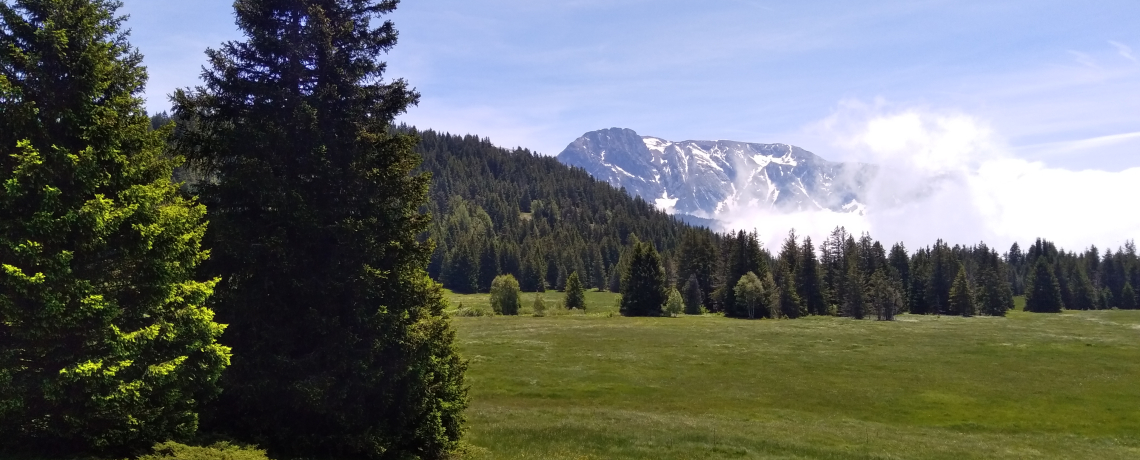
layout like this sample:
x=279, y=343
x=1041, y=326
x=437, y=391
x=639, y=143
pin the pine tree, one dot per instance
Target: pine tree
x=961, y=295
x=643, y=286
x=992, y=298
x=106, y=345
x=488, y=265
x=575, y=293
x=789, y=303
x=854, y=293
x=693, y=296
x=1128, y=297
x=809, y=282
x=698, y=257
x=744, y=255
x=314, y=208
x=1084, y=294
x=883, y=296
x=1042, y=294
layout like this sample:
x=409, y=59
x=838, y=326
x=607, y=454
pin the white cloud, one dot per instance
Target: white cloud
x=1123, y=50
x=949, y=175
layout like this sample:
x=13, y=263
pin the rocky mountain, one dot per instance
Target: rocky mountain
x=711, y=178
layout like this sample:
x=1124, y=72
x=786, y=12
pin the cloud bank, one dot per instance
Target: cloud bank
x=948, y=175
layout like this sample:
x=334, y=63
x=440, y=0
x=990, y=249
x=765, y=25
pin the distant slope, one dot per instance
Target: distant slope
x=530, y=209
x=707, y=178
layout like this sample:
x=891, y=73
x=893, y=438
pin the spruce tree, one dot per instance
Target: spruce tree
x=693, y=296
x=1084, y=294
x=643, y=286
x=1128, y=297
x=790, y=305
x=961, y=295
x=809, y=283
x=342, y=344
x=106, y=345
x=1042, y=294
x=883, y=296
x=575, y=293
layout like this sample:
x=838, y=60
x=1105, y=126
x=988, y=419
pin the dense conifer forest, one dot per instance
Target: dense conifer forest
x=282, y=198
x=500, y=211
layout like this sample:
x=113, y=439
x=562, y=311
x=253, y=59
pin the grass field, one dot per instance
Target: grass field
x=599, y=386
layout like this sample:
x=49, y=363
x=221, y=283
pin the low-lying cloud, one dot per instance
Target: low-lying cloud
x=949, y=175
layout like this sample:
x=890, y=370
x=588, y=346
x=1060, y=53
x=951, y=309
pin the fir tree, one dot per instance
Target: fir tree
x=1042, y=294
x=809, y=282
x=883, y=296
x=961, y=295
x=315, y=228
x=1128, y=297
x=106, y=345
x=693, y=296
x=789, y=303
x=1084, y=294
x=992, y=298
x=643, y=286
x=575, y=293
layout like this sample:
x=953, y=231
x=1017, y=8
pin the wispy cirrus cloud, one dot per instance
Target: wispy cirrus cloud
x=1124, y=50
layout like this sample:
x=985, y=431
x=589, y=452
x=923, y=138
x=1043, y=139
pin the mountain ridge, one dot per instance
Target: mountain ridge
x=710, y=178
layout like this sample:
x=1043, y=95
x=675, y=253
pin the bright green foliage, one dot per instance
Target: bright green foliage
x=575, y=293
x=105, y=343
x=1042, y=292
x=694, y=298
x=751, y=295
x=674, y=305
x=743, y=255
x=220, y=451
x=505, y=295
x=643, y=285
x=343, y=348
x=539, y=305
x=962, y=295
x=1127, y=297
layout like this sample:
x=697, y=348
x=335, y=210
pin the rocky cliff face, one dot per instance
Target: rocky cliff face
x=710, y=178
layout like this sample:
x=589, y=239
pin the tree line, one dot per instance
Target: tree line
x=279, y=296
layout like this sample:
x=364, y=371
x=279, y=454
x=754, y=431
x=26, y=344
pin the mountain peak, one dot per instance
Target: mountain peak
x=709, y=178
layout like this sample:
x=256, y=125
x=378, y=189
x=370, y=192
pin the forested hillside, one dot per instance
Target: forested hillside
x=513, y=211
x=500, y=211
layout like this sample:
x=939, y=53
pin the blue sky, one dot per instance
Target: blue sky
x=1057, y=82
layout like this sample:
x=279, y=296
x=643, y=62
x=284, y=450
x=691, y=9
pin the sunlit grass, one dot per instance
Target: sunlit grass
x=595, y=386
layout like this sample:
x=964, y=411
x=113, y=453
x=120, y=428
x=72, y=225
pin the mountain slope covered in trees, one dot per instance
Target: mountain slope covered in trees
x=513, y=211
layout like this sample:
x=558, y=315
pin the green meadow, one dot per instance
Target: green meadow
x=594, y=385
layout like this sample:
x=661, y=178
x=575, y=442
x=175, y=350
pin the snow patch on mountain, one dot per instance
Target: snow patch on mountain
x=711, y=178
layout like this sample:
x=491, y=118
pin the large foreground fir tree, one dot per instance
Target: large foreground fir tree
x=105, y=346
x=341, y=346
